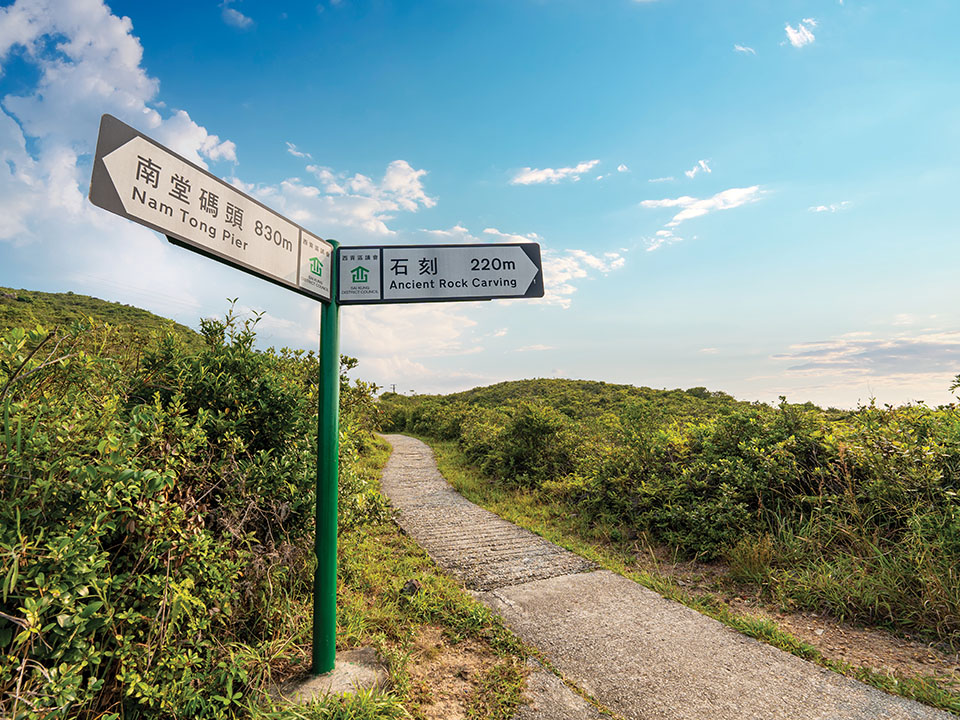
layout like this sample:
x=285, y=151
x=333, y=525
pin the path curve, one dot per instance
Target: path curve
x=638, y=654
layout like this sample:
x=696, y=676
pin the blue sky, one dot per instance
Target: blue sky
x=758, y=197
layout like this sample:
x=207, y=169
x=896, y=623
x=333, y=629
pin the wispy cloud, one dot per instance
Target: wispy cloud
x=694, y=207
x=662, y=179
x=662, y=237
x=622, y=168
x=701, y=166
x=535, y=348
x=232, y=16
x=292, y=149
x=833, y=207
x=801, y=34
x=744, y=49
x=512, y=237
x=530, y=176
x=866, y=354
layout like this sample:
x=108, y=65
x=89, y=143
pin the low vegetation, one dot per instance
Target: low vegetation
x=29, y=308
x=156, y=517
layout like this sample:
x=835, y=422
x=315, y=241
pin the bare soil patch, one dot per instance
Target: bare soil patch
x=446, y=675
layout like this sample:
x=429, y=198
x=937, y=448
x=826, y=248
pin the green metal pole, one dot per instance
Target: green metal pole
x=328, y=449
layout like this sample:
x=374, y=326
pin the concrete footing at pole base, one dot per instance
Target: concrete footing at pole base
x=354, y=670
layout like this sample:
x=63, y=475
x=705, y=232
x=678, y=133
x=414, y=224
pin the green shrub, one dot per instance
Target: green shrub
x=146, y=499
x=535, y=446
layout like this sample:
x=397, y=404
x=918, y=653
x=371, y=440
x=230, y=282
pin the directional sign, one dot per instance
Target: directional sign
x=424, y=273
x=136, y=178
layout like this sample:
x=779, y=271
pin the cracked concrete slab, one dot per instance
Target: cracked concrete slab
x=550, y=699
x=644, y=656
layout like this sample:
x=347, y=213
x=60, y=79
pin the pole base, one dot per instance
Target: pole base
x=358, y=669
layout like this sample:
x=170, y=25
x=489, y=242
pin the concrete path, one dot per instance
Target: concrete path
x=636, y=653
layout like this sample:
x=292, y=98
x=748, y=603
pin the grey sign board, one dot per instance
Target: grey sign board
x=139, y=179
x=438, y=273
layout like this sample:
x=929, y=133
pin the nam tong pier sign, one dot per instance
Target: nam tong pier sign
x=143, y=181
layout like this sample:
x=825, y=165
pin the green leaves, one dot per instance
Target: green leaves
x=147, y=492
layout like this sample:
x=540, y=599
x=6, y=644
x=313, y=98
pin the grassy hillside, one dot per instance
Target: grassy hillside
x=578, y=399
x=29, y=308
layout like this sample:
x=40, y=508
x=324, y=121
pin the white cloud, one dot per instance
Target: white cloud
x=701, y=166
x=744, y=49
x=661, y=179
x=694, y=207
x=183, y=135
x=833, y=207
x=801, y=34
x=88, y=62
x=401, y=183
x=603, y=263
x=529, y=176
x=662, y=237
x=455, y=233
x=622, y=168
x=864, y=354
x=234, y=17
x=292, y=149
x=562, y=268
x=356, y=203
x=534, y=348
x=513, y=237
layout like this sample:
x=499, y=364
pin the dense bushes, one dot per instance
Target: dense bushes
x=155, y=513
x=856, y=512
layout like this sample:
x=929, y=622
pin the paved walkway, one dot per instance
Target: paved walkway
x=638, y=654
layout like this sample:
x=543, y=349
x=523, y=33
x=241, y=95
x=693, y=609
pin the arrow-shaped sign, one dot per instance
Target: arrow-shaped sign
x=424, y=273
x=143, y=181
